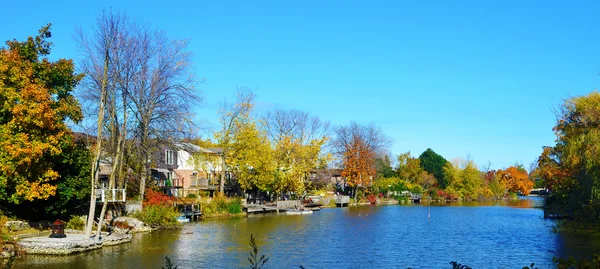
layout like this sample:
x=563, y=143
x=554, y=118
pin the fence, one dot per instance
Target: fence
x=110, y=195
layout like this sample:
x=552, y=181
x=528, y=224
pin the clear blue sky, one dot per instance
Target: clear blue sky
x=477, y=78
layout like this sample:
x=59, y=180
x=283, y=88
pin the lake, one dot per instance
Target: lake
x=504, y=234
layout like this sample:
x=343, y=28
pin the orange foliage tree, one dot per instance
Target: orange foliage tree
x=358, y=147
x=515, y=179
x=359, y=163
x=35, y=101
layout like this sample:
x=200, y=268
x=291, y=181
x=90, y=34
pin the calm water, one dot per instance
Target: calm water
x=482, y=235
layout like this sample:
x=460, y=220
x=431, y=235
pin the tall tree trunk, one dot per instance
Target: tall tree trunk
x=120, y=137
x=146, y=166
x=96, y=163
x=224, y=169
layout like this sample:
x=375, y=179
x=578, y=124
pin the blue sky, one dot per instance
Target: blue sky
x=465, y=78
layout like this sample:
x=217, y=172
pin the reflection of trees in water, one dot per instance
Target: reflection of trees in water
x=576, y=246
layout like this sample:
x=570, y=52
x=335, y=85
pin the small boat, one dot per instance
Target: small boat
x=183, y=219
x=298, y=212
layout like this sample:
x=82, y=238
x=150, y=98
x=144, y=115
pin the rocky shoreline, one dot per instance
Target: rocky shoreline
x=73, y=243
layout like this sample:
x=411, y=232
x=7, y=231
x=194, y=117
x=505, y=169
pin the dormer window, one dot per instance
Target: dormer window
x=168, y=156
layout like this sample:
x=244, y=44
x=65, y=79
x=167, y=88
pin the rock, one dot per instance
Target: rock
x=124, y=225
x=16, y=225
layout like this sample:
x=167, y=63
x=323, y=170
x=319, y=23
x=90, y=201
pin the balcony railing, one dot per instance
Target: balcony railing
x=110, y=195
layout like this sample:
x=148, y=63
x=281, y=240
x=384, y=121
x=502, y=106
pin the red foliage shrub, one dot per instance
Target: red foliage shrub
x=157, y=198
x=372, y=198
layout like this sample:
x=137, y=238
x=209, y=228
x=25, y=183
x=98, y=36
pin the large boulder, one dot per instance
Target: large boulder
x=125, y=225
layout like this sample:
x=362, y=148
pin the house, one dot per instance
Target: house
x=198, y=168
x=327, y=177
x=185, y=169
x=163, y=169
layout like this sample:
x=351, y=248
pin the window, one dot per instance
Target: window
x=168, y=156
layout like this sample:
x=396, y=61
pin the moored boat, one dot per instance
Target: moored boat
x=298, y=212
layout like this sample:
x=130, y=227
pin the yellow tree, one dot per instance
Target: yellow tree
x=294, y=161
x=298, y=141
x=250, y=157
x=233, y=117
x=35, y=101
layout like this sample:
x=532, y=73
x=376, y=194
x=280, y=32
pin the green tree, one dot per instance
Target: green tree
x=463, y=179
x=434, y=164
x=384, y=168
x=572, y=166
x=35, y=102
x=73, y=187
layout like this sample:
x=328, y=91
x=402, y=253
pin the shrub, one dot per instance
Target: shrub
x=235, y=206
x=220, y=206
x=192, y=196
x=75, y=223
x=157, y=198
x=4, y=233
x=372, y=199
x=159, y=216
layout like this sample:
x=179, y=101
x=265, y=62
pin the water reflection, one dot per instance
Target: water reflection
x=504, y=234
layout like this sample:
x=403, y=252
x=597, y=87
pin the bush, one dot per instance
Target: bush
x=220, y=206
x=192, y=196
x=372, y=199
x=157, y=198
x=76, y=223
x=159, y=216
x=235, y=206
x=4, y=233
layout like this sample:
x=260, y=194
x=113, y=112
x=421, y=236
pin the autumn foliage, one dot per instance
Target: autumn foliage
x=515, y=179
x=157, y=198
x=35, y=101
x=358, y=163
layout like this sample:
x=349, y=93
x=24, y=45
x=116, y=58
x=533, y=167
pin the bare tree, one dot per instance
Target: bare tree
x=298, y=124
x=134, y=70
x=100, y=68
x=232, y=116
x=163, y=93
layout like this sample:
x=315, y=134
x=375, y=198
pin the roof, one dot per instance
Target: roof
x=197, y=149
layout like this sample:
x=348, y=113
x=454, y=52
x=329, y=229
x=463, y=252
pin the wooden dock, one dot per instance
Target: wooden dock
x=191, y=211
x=256, y=208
